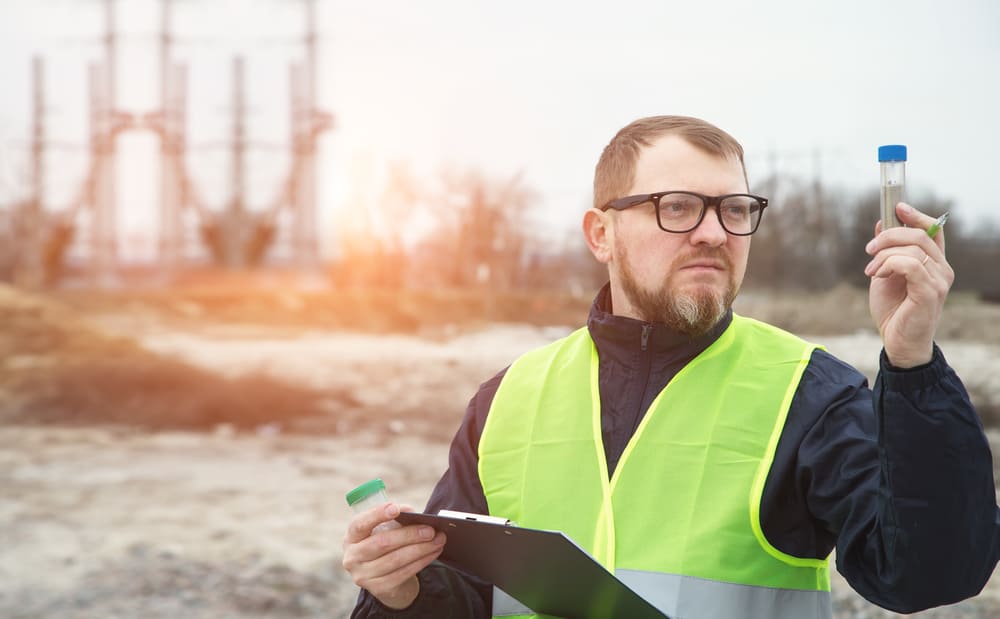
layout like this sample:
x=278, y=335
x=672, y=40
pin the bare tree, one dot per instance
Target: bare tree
x=480, y=235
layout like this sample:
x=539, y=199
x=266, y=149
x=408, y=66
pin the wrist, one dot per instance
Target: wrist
x=401, y=597
x=910, y=359
x=916, y=378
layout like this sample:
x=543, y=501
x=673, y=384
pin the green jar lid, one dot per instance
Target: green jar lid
x=365, y=490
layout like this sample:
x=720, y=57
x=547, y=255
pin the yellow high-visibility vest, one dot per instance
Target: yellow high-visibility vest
x=679, y=521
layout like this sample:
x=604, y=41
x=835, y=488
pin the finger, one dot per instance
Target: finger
x=916, y=219
x=926, y=272
x=393, y=557
x=389, y=540
x=362, y=524
x=896, y=238
x=912, y=217
x=385, y=542
x=379, y=582
x=366, y=562
x=908, y=252
x=901, y=264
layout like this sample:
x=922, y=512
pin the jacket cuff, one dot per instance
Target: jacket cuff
x=919, y=377
x=415, y=609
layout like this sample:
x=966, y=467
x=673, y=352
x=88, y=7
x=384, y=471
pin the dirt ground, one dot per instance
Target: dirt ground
x=243, y=517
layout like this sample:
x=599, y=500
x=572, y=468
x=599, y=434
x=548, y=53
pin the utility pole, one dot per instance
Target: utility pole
x=235, y=221
x=307, y=123
x=170, y=205
x=38, y=140
x=103, y=227
x=305, y=223
x=31, y=235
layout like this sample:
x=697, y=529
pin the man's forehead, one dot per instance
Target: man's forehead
x=672, y=158
x=673, y=145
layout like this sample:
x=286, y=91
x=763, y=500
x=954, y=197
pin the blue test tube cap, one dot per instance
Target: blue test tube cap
x=892, y=152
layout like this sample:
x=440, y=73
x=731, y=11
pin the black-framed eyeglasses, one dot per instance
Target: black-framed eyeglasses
x=682, y=211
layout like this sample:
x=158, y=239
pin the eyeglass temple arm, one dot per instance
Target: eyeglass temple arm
x=623, y=203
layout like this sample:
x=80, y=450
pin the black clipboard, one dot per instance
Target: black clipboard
x=544, y=570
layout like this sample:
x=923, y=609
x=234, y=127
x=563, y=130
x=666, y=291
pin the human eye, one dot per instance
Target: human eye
x=737, y=209
x=679, y=206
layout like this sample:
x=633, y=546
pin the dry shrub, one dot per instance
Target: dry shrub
x=372, y=310
x=967, y=318
x=841, y=310
x=57, y=368
x=151, y=392
x=844, y=310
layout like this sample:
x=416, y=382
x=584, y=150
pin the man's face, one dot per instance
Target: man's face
x=689, y=280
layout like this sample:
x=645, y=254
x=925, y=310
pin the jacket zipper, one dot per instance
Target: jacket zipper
x=647, y=368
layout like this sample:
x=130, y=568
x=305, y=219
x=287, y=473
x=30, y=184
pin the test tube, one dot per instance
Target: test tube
x=892, y=164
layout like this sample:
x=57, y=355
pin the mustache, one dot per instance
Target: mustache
x=709, y=254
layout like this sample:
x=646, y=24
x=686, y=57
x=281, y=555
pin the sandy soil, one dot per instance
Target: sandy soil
x=101, y=522
x=105, y=521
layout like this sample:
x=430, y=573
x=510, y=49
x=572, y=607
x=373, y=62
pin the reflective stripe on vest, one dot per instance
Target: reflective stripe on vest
x=684, y=502
x=702, y=598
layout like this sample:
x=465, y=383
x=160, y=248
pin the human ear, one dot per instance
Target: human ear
x=597, y=232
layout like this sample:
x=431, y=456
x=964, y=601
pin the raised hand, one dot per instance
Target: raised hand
x=910, y=279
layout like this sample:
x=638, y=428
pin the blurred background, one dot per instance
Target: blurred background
x=255, y=252
x=453, y=143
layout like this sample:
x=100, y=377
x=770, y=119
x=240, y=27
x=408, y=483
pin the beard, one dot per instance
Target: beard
x=691, y=310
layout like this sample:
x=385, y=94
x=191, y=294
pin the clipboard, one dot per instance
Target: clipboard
x=544, y=570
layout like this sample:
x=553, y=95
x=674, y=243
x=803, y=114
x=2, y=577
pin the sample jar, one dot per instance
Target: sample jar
x=367, y=495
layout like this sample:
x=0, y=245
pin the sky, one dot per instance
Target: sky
x=525, y=88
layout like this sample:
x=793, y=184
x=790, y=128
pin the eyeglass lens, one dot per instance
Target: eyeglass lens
x=680, y=212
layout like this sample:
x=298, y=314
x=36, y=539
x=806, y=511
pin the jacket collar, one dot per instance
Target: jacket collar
x=613, y=333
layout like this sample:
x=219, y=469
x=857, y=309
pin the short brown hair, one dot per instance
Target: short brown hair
x=615, y=170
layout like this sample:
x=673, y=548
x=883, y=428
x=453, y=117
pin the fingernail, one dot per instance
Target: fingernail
x=426, y=532
x=906, y=208
x=392, y=510
x=870, y=246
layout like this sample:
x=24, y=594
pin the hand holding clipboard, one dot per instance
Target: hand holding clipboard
x=544, y=570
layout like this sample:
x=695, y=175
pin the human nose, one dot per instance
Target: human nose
x=709, y=230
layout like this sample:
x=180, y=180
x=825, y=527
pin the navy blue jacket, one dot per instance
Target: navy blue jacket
x=898, y=479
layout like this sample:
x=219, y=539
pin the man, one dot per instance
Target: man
x=731, y=457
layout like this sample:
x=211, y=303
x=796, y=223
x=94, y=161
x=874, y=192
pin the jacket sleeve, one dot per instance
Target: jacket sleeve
x=445, y=593
x=907, y=493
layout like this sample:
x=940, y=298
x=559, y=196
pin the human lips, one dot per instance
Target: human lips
x=715, y=265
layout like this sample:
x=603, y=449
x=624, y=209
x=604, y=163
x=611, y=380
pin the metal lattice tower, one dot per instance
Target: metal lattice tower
x=235, y=236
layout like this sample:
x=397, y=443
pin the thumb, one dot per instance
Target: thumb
x=362, y=524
